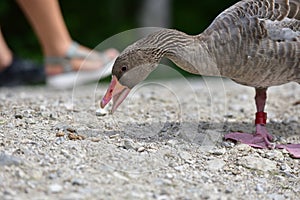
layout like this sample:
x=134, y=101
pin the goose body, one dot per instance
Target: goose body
x=257, y=42
x=254, y=42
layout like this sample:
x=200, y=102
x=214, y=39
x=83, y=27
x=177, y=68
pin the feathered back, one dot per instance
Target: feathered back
x=261, y=35
x=267, y=9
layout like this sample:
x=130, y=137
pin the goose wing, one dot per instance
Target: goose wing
x=257, y=42
x=281, y=17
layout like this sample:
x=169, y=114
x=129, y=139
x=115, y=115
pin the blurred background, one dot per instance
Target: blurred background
x=92, y=21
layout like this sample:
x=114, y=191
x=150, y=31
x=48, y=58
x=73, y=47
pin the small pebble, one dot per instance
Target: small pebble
x=218, y=152
x=259, y=188
x=94, y=139
x=243, y=147
x=185, y=155
x=120, y=176
x=128, y=144
x=215, y=164
x=55, y=188
x=172, y=143
x=256, y=163
x=227, y=144
x=296, y=103
x=71, y=129
x=73, y=136
x=276, y=197
x=60, y=140
x=101, y=112
x=8, y=160
x=30, y=121
x=18, y=116
x=179, y=168
x=60, y=134
x=114, y=136
x=228, y=191
x=69, y=106
x=274, y=155
x=42, y=107
x=9, y=192
x=285, y=167
x=78, y=181
x=141, y=149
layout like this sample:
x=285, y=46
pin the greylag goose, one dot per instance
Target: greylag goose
x=254, y=42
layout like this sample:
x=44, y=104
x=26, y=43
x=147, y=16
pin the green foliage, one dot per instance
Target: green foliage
x=193, y=16
x=92, y=21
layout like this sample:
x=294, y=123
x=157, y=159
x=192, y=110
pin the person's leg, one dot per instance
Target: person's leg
x=48, y=23
x=5, y=55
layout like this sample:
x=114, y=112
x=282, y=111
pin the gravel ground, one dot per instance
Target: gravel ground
x=164, y=142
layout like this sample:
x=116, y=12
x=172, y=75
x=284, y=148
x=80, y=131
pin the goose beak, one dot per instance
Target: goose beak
x=115, y=91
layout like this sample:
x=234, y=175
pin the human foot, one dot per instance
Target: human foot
x=78, y=58
x=80, y=65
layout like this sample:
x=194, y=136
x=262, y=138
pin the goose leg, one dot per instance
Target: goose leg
x=261, y=118
x=261, y=138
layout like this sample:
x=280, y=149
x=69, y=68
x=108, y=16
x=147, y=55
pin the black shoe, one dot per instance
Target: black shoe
x=22, y=72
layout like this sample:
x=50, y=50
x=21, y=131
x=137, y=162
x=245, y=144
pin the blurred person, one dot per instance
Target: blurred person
x=62, y=56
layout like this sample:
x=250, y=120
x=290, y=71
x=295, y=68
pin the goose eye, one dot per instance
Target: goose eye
x=124, y=68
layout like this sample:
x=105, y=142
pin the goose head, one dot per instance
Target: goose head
x=132, y=66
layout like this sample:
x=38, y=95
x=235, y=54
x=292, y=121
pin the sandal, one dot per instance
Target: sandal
x=70, y=78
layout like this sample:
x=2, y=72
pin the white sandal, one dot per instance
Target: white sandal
x=70, y=78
